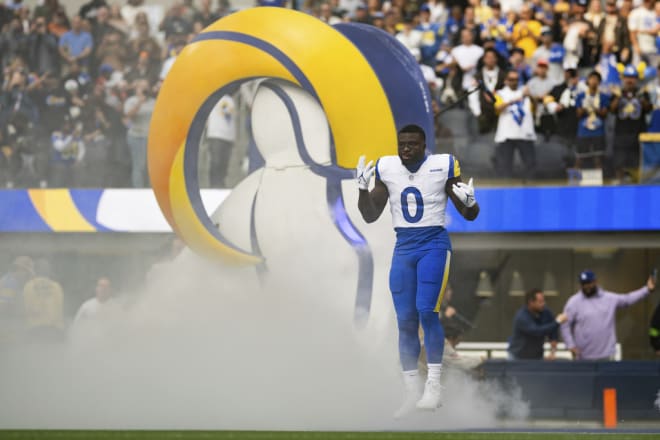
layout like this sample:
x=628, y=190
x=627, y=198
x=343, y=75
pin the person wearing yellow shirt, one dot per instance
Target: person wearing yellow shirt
x=43, y=300
x=527, y=32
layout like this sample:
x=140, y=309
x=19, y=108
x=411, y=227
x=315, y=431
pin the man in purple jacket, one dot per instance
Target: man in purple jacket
x=590, y=332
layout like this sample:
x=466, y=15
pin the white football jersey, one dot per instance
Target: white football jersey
x=417, y=199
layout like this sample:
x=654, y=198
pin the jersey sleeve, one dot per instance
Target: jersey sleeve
x=377, y=171
x=454, y=167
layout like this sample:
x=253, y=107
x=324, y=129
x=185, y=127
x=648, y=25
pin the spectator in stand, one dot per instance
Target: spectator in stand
x=91, y=9
x=190, y=13
x=361, y=14
x=526, y=32
x=175, y=25
x=454, y=25
x=590, y=331
x=553, y=53
x=13, y=43
x=101, y=25
x=594, y=14
x=411, y=38
x=112, y=51
x=129, y=11
x=46, y=9
x=492, y=77
x=532, y=325
x=539, y=87
x=97, y=129
x=15, y=98
x=220, y=136
x=143, y=69
x=76, y=45
x=562, y=106
x=470, y=23
x=591, y=108
x=466, y=55
x=581, y=40
x=483, y=11
x=117, y=20
x=613, y=33
x=207, y=15
x=141, y=42
x=431, y=36
x=630, y=108
x=326, y=15
x=59, y=23
x=643, y=32
x=438, y=11
x=515, y=127
x=42, y=50
x=79, y=76
x=137, y=111
x=517, y=62
x=496, y=28
x=68, y=151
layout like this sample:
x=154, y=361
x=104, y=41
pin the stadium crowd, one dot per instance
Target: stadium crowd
x=78, y=87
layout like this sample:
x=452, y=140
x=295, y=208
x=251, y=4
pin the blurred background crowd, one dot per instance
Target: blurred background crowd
x=79, y=85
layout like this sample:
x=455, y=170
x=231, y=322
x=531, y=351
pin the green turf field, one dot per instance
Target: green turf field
x=264, y=435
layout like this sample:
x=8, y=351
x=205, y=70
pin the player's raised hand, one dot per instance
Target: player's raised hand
x=465, y=193
x=363, y=173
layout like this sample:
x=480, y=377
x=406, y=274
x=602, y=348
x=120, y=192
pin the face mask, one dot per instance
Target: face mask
x=589, y=291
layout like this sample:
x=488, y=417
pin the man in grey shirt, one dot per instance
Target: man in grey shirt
x=590, y=332
x=539, y=87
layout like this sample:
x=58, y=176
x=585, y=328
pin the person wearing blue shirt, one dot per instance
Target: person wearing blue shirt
x=591, y=107
x=76, y=45
x=533, y=323
x=431, y=36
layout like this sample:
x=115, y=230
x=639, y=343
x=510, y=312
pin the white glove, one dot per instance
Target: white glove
x=465, y=193
x=363, y=173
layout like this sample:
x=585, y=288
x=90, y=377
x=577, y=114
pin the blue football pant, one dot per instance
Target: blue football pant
x=417, y=282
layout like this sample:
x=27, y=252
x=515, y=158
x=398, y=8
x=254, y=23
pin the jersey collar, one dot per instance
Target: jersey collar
x=416, y=166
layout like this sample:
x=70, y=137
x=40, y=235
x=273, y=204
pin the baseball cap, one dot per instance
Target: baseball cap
x=542, y=62
x=425, y=8
x=587, y=276
x=105, y=68
x=545, y=30
x=630, y=72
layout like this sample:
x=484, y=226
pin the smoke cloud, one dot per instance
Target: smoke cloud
x=202, y=346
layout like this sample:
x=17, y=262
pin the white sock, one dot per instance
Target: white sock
x=411, y=379
x=435, y=370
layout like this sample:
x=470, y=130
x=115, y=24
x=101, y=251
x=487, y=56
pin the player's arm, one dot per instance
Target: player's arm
x=462, y=195
x=370, y=203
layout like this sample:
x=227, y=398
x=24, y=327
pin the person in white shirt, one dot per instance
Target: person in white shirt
x=466, y=55
x=220, y=137
x=643, y=29
x=411, y=38
x=515, y=127
x=94, y=307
